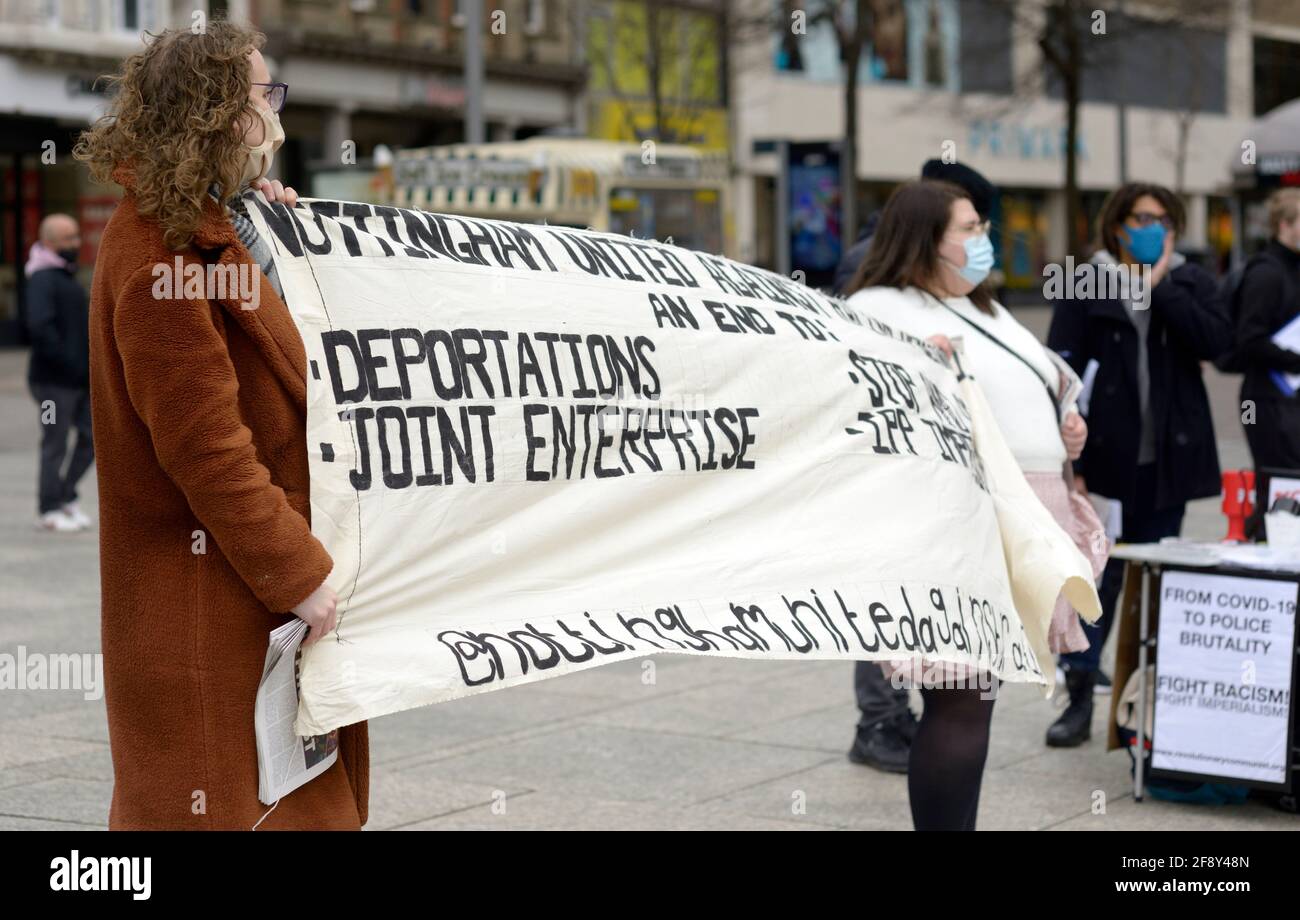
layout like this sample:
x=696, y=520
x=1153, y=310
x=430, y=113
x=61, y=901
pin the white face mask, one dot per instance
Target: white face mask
x=259, y=158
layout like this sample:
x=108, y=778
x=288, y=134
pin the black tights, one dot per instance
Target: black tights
x=947, y=759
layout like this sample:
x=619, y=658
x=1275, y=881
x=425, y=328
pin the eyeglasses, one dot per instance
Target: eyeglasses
x=275, y=95
x=1146, y=219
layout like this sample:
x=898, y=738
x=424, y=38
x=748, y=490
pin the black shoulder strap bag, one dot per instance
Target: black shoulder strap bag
x=1056, y=405
x=1067, y=471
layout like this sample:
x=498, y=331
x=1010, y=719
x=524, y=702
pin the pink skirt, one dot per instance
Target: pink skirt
x=1079, y=519
x=1076, y=516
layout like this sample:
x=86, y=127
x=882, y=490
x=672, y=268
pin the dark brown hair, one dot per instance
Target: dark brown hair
x=905, y=247
x=172, y=121
x=1119, y=205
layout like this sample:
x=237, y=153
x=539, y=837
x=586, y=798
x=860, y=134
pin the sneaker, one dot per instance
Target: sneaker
x=1102, y=687
x=56, y=522
x=78, y=517
x=885, y=748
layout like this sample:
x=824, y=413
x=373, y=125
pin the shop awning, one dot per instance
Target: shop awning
x=1268, y=152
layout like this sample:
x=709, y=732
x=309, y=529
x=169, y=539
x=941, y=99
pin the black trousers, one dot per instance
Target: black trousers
x=878, y=700
x=63, y=411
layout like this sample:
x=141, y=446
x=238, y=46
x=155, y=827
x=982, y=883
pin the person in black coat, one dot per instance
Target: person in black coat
x=58, y=374
x=1150, y=436
x=1268, y=299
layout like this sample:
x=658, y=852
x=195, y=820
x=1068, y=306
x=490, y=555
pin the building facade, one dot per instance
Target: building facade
x=363, y=74
x=1165, y=98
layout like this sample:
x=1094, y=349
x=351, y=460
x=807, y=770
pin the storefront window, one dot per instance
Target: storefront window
x=29, y=191
x=20, y=217
x=1092, y=203
x=1218, y=231
x=1277, y=79
x=1021, y=238
x=906, y=41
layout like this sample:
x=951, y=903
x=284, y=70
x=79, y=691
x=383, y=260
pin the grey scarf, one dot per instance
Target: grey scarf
x=257, y=247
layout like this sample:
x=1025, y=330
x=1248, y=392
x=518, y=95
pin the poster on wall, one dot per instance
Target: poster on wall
x=816, y=239
x=1224, y=677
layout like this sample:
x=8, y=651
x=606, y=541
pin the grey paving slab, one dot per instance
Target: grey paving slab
x=619, y=764
x=1019, y=733
x=15, y=823
x=95, y=763
x=440, y=730
x=81, y=800
x=25, y=749
x=1124, y=814
x=84, y=720
x=18, y=705
x=833, y=793
x=730, y=708
x=546, y=811
x=829, y=730
x=410, y=795
x=1013, y=798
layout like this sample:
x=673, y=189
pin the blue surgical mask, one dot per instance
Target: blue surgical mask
x=1144, y=244
x=979, y=259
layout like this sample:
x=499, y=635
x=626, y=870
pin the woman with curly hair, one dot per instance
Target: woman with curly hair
x=199, y=409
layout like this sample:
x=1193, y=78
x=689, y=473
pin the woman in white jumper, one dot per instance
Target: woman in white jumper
x=923, y=274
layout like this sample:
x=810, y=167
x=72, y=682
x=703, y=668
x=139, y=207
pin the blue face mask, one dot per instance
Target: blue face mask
x=1145, y=244
x=979, y=259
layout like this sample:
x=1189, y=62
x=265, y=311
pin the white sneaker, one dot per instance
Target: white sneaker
x=57, y=522
x=76, y=515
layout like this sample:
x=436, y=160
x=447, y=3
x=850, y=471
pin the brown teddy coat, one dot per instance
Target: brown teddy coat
x=199, y=411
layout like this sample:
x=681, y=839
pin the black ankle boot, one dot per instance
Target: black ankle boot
x=1075, y=724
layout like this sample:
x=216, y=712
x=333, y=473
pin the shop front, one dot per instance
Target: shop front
x=38, y=176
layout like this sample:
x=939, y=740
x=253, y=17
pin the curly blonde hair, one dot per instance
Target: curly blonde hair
x=172, y=122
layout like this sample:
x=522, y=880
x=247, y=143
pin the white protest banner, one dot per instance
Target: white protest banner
x=1224, y=676
x=536, y=449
